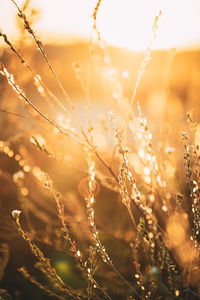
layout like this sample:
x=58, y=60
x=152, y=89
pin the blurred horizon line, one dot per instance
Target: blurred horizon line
x=69, y=40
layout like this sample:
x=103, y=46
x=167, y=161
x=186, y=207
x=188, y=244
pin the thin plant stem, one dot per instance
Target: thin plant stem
x=147, y=57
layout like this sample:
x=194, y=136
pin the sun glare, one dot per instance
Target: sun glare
x=126, y=23
x=129, y=23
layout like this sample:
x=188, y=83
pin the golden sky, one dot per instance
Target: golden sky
x=124, y=23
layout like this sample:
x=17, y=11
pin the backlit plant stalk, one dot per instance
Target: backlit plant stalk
x=90, y=200
x=146, y=59
x=89, y=269
x=40, y=256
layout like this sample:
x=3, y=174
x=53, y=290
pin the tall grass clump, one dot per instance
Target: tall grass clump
x=93, y=205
